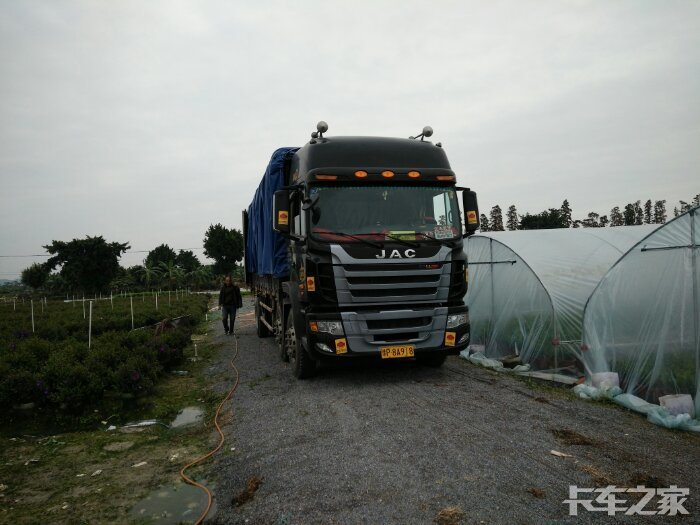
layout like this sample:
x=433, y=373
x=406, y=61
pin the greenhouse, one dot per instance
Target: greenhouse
x=528, y=289
x=643, y=319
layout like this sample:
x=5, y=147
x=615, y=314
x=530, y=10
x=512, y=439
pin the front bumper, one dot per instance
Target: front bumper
x=366, y=332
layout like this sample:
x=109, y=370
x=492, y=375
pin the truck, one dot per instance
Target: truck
x=354, y=250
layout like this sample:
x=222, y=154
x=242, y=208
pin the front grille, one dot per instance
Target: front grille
x=392, y=324
x=395, y=279
x=391, y=338
x=391, y=267
x=394, y=292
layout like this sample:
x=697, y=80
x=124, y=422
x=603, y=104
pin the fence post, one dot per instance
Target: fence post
x=111, y=299
x=156, y=301
x=131, y=300
x=90, y=327
x=32, y=315
x=83, y=307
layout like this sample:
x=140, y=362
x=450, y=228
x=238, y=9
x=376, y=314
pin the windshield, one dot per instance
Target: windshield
x=384, y=213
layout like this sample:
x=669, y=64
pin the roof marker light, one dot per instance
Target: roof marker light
x=360, y=174
x=445, y=177
x=326, y=177
x=414, y=174
x=387, y=174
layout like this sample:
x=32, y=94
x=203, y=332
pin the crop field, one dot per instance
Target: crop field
x=66, y=358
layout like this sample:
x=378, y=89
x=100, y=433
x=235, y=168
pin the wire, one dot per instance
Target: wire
x=222, y=439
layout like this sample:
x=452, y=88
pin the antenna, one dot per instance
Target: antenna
x=427, y=132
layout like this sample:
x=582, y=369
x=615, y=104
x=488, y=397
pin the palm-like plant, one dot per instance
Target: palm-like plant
x=171, y=273
x=200, y=275
x=149, y=273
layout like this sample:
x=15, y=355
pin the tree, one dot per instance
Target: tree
x=592, y=221
x=496, y=219
x=512, y=218
x=149, y=273
x=223, y=245
x=160, y=254
x=647, y=212
x=187, y=260
x=88, y=264
x=638, y=213
x=35, y=276
x=616, y=217
x=551, y=218
x=696, y=201
x=660, y=212
x=171, y=273
x=200, y=276
x=603, y=222
x=629, y=214
x=484, y=224
x=566, y=213
x=684, y=207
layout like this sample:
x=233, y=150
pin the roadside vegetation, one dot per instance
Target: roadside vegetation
x=53, y=370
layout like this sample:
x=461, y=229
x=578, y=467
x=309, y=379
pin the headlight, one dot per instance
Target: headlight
x=455, y=320
x=330, y=327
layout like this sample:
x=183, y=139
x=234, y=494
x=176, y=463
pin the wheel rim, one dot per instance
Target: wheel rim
x=279, y=336
x=291, y=346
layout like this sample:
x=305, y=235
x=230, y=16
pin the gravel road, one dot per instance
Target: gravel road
x=399, y=443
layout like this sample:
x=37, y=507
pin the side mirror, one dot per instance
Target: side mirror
x=280, y=212
x=471, y=212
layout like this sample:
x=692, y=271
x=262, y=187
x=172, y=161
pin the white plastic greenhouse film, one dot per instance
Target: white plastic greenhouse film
x=643, y=320
x=528, y=289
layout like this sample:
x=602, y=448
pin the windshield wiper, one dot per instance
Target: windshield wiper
x=350, y=236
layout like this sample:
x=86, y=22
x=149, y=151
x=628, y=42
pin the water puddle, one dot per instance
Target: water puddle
x=188, y=416
x=170, y=505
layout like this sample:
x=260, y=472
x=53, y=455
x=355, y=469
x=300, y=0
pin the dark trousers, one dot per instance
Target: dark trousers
x=226, y=312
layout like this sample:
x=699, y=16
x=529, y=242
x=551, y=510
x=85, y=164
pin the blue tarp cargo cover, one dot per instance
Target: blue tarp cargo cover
x=266, y=250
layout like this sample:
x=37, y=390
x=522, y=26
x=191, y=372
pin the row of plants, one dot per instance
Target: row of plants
x=57, y=320
x=55, y=372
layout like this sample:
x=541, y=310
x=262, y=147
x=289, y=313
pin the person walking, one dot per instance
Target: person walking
x=229, y=300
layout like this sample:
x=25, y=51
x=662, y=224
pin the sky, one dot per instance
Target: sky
x=146, y=122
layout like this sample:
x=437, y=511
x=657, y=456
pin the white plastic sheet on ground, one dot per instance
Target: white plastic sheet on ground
x=527, y=289
x=643, y=319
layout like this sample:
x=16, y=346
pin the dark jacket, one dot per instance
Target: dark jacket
x=230, y=296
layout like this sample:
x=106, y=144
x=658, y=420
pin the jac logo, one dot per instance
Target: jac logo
x=396, y=254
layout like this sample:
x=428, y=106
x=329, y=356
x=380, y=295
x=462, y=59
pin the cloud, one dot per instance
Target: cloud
x=147, y=121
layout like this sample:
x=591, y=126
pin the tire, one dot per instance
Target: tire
x=261, y=329
x=432, y=360
x=303, y=366
x=280, y=332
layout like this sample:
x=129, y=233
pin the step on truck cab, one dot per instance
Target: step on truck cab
x=353, y=249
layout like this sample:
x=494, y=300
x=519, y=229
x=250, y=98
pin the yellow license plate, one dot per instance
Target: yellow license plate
x=391, y=352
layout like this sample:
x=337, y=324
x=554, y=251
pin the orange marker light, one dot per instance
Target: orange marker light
x=314, y=326
x=414, y=174
x=326, y=177
x=387, y=174
x=360, y=174
x=443, y=177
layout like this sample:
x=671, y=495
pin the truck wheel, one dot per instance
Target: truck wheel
x=303, y=366
x=279, y=333
x=433, y=360
x=262, y=330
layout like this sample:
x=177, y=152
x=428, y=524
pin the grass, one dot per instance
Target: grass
x=50, y=478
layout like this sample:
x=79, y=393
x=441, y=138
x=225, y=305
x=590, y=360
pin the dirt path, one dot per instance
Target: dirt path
x=398, y=443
